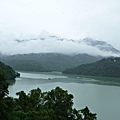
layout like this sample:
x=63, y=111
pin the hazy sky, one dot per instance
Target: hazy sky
x=67, y=18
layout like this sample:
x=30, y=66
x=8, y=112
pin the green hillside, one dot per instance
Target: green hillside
x=28, y=65
x=47, y=61
x=108, y=67
x=10, y=74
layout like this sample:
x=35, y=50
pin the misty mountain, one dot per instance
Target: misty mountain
x=102, y=45
x=48, y=43
x=47, y=61
x=107, y=67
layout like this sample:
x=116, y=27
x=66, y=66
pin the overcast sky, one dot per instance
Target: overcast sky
x=67, y=18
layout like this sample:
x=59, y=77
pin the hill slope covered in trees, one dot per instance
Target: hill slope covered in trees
x=47, y=61
x=10, y=74
x=108, y=67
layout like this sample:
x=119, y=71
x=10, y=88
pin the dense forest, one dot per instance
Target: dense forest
x=10, y=74
x=47, y=61
x=56, y=104
x=107, y=67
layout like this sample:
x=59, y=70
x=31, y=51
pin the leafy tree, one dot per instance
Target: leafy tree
x=87, y=115
x=3, y=93
x=52, y=105
x=3, y=84
x=60, y=101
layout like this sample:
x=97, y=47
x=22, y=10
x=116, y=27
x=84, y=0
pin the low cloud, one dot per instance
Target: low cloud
x=10, y=44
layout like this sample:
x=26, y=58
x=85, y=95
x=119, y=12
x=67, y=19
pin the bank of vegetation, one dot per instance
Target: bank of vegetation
x=107, y=67
x=10, y=74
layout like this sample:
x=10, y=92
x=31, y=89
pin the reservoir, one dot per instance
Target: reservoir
x=101, y=95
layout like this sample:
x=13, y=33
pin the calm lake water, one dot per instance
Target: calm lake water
x=102, y=97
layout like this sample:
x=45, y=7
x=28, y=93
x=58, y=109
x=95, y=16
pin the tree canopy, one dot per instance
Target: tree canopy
x=56, y=104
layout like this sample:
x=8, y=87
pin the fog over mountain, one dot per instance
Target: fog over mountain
x=47, y=43
x=71, y=19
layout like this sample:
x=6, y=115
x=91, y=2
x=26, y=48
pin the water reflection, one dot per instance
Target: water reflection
x=111, y=81
x=82, y=79
x=51, y=77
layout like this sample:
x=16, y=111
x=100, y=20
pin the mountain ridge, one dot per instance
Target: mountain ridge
x=49, y=43
x=102, y=45
x=48, y=61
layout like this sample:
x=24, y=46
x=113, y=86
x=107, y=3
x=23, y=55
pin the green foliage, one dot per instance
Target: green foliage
x=3, y=84
x=29, y=65
x=60, y=101
x=108, y=67
x=3, y=93
x=52, y=105
x=10, y=74
x=87, y=115
x=6, y=72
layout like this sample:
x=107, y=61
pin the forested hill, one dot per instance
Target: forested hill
x=47, y=61
x=10, y=74
x=108, y=67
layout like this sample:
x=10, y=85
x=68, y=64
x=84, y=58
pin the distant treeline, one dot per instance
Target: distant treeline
x=44, y=62
x=108, y=67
